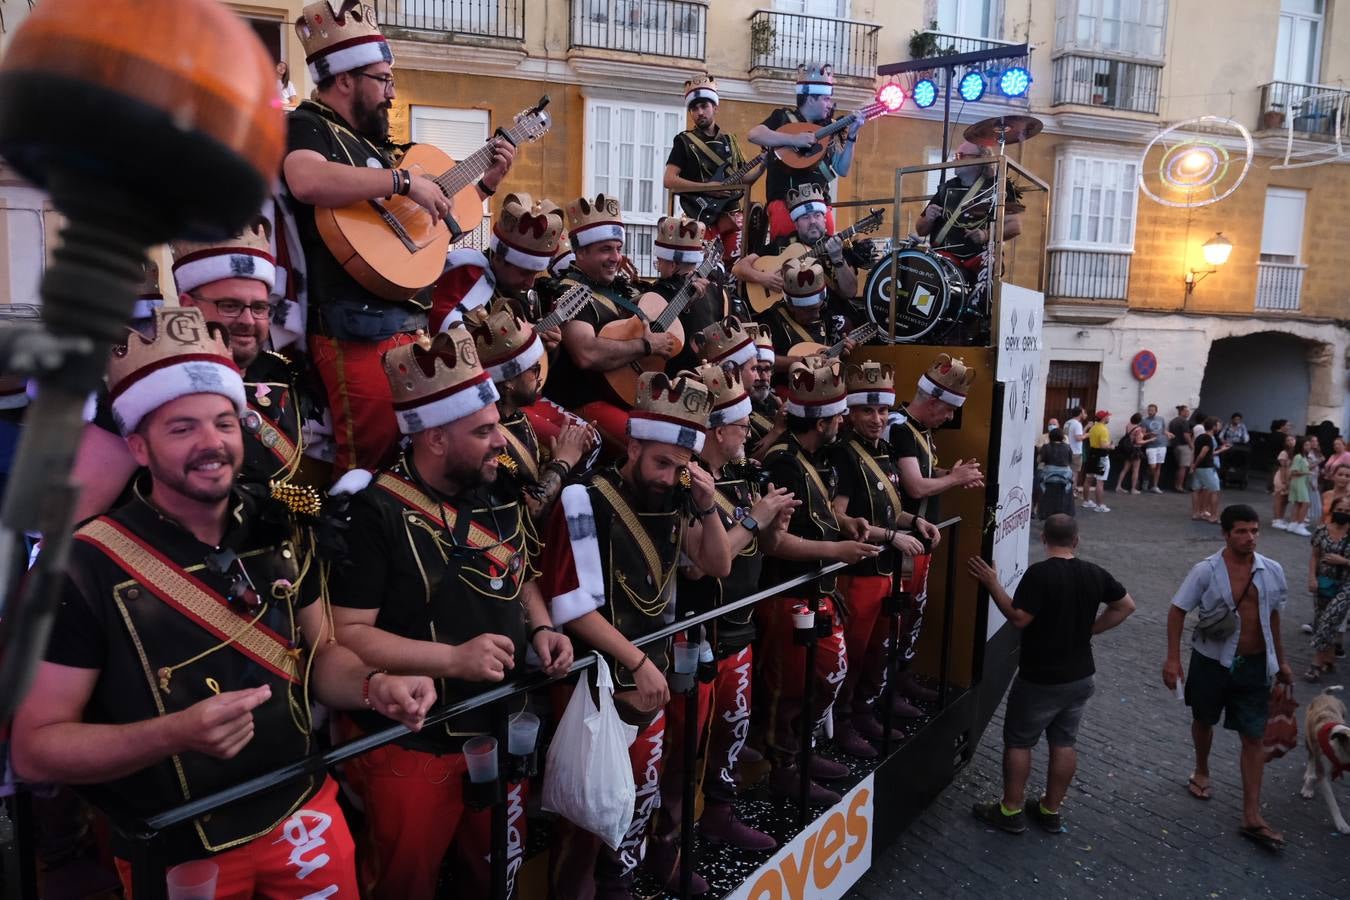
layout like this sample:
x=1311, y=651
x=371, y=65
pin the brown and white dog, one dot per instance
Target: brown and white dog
x=1328, y=740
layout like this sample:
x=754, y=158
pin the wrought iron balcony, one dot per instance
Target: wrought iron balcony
x=675, y=28
x=503, y=19
x=1279, y=286
x=1108, y=82
x=927, y=44
x=782, y=41
x=1088, y=275
x=1317, y=111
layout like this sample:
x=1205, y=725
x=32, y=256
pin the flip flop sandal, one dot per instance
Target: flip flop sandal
x=1263, y=835
x=1196, y=789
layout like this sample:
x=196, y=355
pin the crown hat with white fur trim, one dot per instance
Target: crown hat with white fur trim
x=804, y=282
x=870, y=384
x=728, y=343
x=562, y=259
x=150, y=297
x=527, y=233
x=507, y=344
x=185, y=355
x=679, y=239
x=805, y=199
x=815, y=78
x=816, y=388
x=763, y=341
x=592, y=221
x=700, y=87
x=730, y=402
x=671, y=411
x=340, y=40
x=948, y=380
x=246, y=255
x=436, y=381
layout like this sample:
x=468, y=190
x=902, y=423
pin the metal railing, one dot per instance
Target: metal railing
x=675, y=28
x=1279, y=286
x=1089, y=275
x=947, y=44
x=1102, y=81
x=1313, y=107
x=482, y=18
x=783, y=41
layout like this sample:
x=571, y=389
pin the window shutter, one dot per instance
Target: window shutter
x=458, y=133
x=1282, y=227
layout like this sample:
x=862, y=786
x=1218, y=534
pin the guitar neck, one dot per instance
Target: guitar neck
x=744, y=168
x=819, y=246
x=472, y=167
x=565, y=309
x=685, y=294
x=857, y=336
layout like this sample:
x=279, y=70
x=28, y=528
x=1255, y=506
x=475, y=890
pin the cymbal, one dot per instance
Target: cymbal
x=1014, y=130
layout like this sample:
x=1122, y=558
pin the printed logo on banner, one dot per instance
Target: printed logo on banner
x=825, y=860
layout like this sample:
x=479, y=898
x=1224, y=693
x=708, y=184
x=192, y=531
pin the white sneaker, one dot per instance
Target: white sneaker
x=1155, y=489
x=1280, y=524
x=1300, y=529
x=1306, y=628
x=1103, y=508
x=1089, y=504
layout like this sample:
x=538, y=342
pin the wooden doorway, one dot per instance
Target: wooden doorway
x=1069, y=385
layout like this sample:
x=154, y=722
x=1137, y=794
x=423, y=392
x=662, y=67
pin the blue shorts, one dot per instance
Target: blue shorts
x=1207, y=479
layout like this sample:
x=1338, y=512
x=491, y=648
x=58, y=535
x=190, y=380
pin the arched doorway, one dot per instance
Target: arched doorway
x=1264, y=376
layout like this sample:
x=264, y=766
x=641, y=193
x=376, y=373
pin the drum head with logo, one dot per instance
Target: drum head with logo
x=929, y=294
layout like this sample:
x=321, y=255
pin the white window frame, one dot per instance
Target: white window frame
x=1071, y=16
x=1274, y=253
x=949, y=13
x=1068, y=159
x=1288, y=20
x=418, y=113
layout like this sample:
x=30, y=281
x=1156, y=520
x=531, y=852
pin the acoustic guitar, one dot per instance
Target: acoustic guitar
x=391, y=247
x=809, y=156
x=761, y=298
x=664, y=316
x=708, y=208
x=860, y=335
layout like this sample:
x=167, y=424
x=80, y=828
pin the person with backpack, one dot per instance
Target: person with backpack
x=1130, y=452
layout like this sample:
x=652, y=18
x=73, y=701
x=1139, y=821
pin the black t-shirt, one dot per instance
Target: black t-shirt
x=569, y=385
x=1063, y=595
x=1178, y=428
x=974, y=213
x=1201, y=442
x=1057, y=453
x=782, y=177
x=696, y=165
x=911, y=439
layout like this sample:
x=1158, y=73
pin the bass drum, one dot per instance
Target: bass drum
x=930, y=296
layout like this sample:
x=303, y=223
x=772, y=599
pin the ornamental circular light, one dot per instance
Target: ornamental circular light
x=971, y=86
x=891, y=96
x=925, y=93
x=1015, y=82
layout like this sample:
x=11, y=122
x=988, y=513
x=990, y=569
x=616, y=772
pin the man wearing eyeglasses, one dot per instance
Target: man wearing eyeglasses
x=959, y=218
x=339, y=153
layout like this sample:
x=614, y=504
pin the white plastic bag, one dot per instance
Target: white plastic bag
x=589, y=779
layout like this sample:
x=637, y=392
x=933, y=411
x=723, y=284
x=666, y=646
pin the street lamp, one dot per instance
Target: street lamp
x=1216, y=251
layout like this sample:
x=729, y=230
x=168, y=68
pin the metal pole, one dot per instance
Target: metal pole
x=948, y=614
x=806, y=723
x=891, y=670
x=690, y=739
x=947, y=118
x=499, y=837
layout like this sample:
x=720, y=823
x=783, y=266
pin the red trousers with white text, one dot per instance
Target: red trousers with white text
x=360, y=400
x=308, y=855
x=874, y=679
x=783, y=668
x=730, y=724
x=864, y=595
x=672, y=776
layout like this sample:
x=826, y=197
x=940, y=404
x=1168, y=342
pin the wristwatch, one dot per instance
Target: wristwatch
x=748, y=522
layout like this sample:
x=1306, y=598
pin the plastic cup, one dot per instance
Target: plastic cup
x=194, y=880
x=521, y=733
x=803, y=618
x=705, y=653
x=686, y=659
x=480, y=755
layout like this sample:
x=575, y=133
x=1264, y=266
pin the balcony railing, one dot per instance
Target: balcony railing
x=783, y=41
x=675, y=28
x=1315, y=108
x=1279, y=286
x=944, y=44
x=1112, y=83
x=1089, y=275
x=481, y=18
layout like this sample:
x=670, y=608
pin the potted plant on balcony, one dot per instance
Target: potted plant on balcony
x=762, y=37
x=924, y=44
x=1273, y=118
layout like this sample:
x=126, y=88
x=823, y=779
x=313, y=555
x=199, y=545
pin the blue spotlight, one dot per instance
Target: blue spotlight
x=971, y=86
x=1015, y=82
x=925, y=93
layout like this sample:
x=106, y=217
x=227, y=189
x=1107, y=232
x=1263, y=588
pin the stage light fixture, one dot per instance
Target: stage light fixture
x=891, y=96
x=925, y=93
x=971, y=86
x=1015, y=82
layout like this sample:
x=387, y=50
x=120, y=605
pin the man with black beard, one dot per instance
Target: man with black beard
x=338, y=154
x=191, y=636
x=768, y=418
x=959, y=218
x=438, y=580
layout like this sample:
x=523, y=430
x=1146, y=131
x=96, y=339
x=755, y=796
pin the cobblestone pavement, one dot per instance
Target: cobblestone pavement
x=1133, y=830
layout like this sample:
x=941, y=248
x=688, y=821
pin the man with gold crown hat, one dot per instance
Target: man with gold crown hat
x=817, y=400
x=810, y=311
x=703, y=155
x=767, y=415
x=192, y=635
x=677, y=251
x=941, y=391
x=611, y=551
x=815, y=104
x=868, y=489
x=438, y=579
x=513, y=355
x=339, y=153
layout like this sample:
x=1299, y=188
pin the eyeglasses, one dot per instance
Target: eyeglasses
x=241, y=593
x=232, y=309
x=386, y=80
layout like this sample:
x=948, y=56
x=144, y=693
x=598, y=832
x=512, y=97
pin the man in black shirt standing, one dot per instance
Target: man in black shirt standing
x=338, y=154
x=705, y=154
x=1056, y=608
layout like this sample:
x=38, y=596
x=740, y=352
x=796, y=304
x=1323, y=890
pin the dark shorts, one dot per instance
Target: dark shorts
x=1241, y=694
x=1054, y=710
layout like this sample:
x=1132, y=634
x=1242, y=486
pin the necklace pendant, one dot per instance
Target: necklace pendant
x=164, y=675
